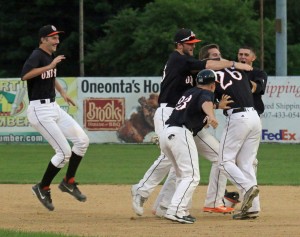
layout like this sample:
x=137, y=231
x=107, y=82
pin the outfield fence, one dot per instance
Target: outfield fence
x=121, y=109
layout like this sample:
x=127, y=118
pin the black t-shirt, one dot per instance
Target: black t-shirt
x=260, y=78
x=234, y=83
x=42, y=86
x=178, y=77
x=188, y=110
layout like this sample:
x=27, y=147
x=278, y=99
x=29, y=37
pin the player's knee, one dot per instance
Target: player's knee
x=224, y=164
x=81, y=145
x=62, y=157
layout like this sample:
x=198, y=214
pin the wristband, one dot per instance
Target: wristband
x=233, y=65
x=217, y=105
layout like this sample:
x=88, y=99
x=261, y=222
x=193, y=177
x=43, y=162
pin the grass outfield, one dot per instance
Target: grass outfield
x=11, y=233
x=126, y=164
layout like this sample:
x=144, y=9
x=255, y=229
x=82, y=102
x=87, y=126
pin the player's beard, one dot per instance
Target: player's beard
x=187, y=52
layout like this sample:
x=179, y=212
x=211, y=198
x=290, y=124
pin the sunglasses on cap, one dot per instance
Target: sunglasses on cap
x=191, y=37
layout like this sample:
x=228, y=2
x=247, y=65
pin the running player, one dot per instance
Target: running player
x=193, y=111
x=46, y=116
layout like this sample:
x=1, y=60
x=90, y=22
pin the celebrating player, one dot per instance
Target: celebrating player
x=241, y=133
x=46, y=116
x=177, y=78
x=192, y=112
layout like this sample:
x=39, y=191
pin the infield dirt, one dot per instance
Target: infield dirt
x=108, y=212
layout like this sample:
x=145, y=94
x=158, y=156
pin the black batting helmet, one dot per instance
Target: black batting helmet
x=205, y=77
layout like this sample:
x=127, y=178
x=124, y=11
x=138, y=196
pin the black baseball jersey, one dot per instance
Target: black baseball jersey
x=188, y=110
x=234, y=83
x=260, y=78
x=42, y=86
x=178, y=77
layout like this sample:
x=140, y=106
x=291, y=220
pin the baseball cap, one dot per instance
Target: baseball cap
x=206, y=77
x=48, y=30
x=185, y=36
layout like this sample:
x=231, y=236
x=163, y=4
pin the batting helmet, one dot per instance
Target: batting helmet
x=205, y=77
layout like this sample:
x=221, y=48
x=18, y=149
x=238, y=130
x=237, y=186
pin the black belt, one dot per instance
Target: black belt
x=43, y=101
x=237, y=110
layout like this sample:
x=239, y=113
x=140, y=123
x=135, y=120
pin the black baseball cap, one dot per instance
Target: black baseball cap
x=48, y=30
x=185, y=36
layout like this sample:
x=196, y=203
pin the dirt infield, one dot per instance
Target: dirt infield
x=108, y=212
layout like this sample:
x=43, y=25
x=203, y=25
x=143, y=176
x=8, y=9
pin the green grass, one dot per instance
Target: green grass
x=126, y=164
x=11, y=233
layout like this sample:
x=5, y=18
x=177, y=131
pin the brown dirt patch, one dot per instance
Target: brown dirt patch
x=108, y=212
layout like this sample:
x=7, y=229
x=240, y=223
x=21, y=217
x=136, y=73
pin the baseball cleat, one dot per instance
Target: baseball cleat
x=44, y=196
x=137, y=201
x=72, y=189
x=248, y=198
x=220, y=209
x=246, y=216
x=184, y=220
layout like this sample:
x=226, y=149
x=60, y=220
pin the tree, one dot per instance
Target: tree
x=137, y=43
x=134, y=38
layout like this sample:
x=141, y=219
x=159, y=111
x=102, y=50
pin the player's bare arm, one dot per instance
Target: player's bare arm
x=63, y=93
x=217, y=65
x=39, y=71
x=208, y=108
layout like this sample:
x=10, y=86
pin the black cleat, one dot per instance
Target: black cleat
x=248, y=198
x=246, y=215
x=72, y=189
x=44, y=196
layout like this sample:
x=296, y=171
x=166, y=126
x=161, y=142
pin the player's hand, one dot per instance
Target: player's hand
x=212, y=121
x=254, y=86
x=57, y=60
x=68, y=99
x=223, y=104
x=243, y=66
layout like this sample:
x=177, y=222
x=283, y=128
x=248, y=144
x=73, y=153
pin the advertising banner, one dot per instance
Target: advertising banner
x=121, y=109
x=14, y=125
x=118, y=109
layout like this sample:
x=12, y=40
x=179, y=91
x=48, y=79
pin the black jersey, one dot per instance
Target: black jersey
x=42, y=86
x=234, y=83
x=260, y=78
x=188, y=110
x=178, y=77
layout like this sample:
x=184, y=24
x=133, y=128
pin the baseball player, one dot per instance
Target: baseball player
x=257, y=77
x=193, y=111
x=46, y=116
x=212, y=51
x=241, y=136
x=177, y=78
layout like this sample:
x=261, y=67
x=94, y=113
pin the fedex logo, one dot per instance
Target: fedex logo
x=282, y=134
